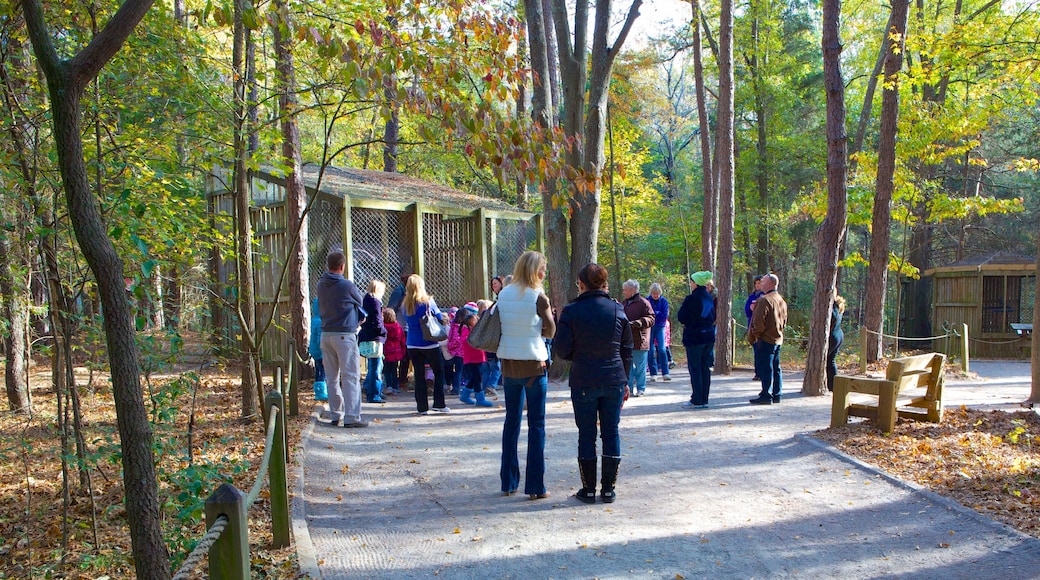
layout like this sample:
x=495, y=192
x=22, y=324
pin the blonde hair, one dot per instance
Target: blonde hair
x=415, y=293
x=389, y=316
x=483, y=305
x=377, y=288
x=525, y=272
x=840, y=301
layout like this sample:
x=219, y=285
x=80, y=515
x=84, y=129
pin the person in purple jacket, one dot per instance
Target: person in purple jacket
x=658, y=346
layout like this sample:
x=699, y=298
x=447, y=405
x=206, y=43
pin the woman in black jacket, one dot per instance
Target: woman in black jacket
x=595, y=335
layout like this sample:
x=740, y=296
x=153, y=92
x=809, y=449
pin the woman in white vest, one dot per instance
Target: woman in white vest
x=526, y=322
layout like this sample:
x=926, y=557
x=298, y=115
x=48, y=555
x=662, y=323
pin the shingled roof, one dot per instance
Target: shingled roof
x=994, y=261
x=380, y=185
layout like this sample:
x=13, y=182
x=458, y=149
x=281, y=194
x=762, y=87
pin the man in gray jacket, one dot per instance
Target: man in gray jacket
x=339, y=303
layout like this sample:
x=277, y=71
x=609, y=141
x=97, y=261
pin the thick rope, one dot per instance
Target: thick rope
x=265, y=462
x=195, y=557
x=994, y=341
x=889, y=336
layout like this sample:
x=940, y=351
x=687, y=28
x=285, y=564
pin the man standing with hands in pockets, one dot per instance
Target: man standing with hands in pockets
x=766, y=335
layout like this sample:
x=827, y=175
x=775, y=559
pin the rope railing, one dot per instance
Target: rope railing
x=954, y=341
x=227, y=508
x=195, y=557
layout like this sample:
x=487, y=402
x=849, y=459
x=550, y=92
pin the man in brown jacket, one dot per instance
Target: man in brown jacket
x=641, y=316
x=766, y=334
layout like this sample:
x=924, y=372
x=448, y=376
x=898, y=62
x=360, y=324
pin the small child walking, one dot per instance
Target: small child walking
x=394, y=351
x=472, y=359
x=314, y=348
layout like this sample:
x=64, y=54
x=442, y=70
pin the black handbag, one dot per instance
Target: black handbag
x=487, y=333
x=433, y=330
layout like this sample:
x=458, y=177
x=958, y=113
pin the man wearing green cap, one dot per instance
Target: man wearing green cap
x=697, y=315
x=766, y=334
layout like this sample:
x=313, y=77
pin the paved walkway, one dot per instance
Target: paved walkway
x=733, y=491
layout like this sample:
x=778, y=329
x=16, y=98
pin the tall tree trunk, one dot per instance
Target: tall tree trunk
x=868, y=98
x=587, y=157
x=761, y=147
x=16, y=312
x=881, y=224
x=295, y=194
x=251, y=391
x=392, y=127
x=829, y=236
x=66, y=82
x=709, y=221
x=1034, y=389
x=543, y=118
x=726, y=164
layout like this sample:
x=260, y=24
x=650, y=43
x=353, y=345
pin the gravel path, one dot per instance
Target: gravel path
x=732, y=491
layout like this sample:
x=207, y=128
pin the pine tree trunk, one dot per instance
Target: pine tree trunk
x=295, y=194
x=829, y=236
x=709, y=221
x=881, y=224
x=251, y=391
x=16, y=312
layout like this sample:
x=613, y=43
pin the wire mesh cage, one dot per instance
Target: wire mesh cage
x=381, y=246
x=392, y=218
x=506, y=240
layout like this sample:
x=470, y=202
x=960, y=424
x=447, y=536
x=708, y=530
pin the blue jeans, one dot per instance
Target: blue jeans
x=535, y=389
x=658, y=353
x=767, y=365
x=390, y=380
x=637, y=374
x=319, y=370
x=602, y=404
x=699, y=360
x=490, y=373
x=373, y=384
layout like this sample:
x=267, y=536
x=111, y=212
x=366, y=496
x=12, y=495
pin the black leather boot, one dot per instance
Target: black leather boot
x=610, y=471
x=587, y=469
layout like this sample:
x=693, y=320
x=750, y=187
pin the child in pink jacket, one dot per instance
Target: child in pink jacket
x=472, y=358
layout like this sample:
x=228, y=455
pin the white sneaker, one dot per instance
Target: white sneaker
x=687, y=405
x=653, y=378
x=440, y=410
x=667, y=378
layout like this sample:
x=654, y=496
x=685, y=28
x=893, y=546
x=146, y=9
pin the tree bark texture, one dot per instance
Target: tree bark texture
x=881, y=222
x=252, y=396
x=830, y=234
x=1034, y=390
x=543, y=118
x=868, y=99
x=16, y=312
x=761, y=148
x=295, y=194
x=66, y=81
x=726, y=161
x=709, y=221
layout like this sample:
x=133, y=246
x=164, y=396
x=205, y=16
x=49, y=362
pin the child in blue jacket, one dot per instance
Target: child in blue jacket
x=314, y=348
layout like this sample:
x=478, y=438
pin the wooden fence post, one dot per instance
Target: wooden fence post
x=293, y=391
x=863, y=337
x=733, y=341
x=277, y=480
x=229, y=555
x=964, y=346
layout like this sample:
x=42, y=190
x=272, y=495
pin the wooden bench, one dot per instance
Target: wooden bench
x=904, y=374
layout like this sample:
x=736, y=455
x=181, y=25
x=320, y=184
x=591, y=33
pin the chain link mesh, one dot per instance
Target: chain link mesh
x=449, y=259
x=382, y=242
x=506, y=240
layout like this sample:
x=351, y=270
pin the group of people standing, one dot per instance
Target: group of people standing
x=611, y=347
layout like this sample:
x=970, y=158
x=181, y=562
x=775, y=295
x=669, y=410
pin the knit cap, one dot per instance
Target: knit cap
x=702, y=278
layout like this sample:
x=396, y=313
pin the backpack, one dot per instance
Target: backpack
x=455, y=340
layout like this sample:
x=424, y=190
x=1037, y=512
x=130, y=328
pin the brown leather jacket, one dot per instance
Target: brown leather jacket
x=641, y=316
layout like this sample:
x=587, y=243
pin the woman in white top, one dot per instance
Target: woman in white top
x=526, y=322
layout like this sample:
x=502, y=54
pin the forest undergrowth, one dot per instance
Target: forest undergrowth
x=43, y=535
